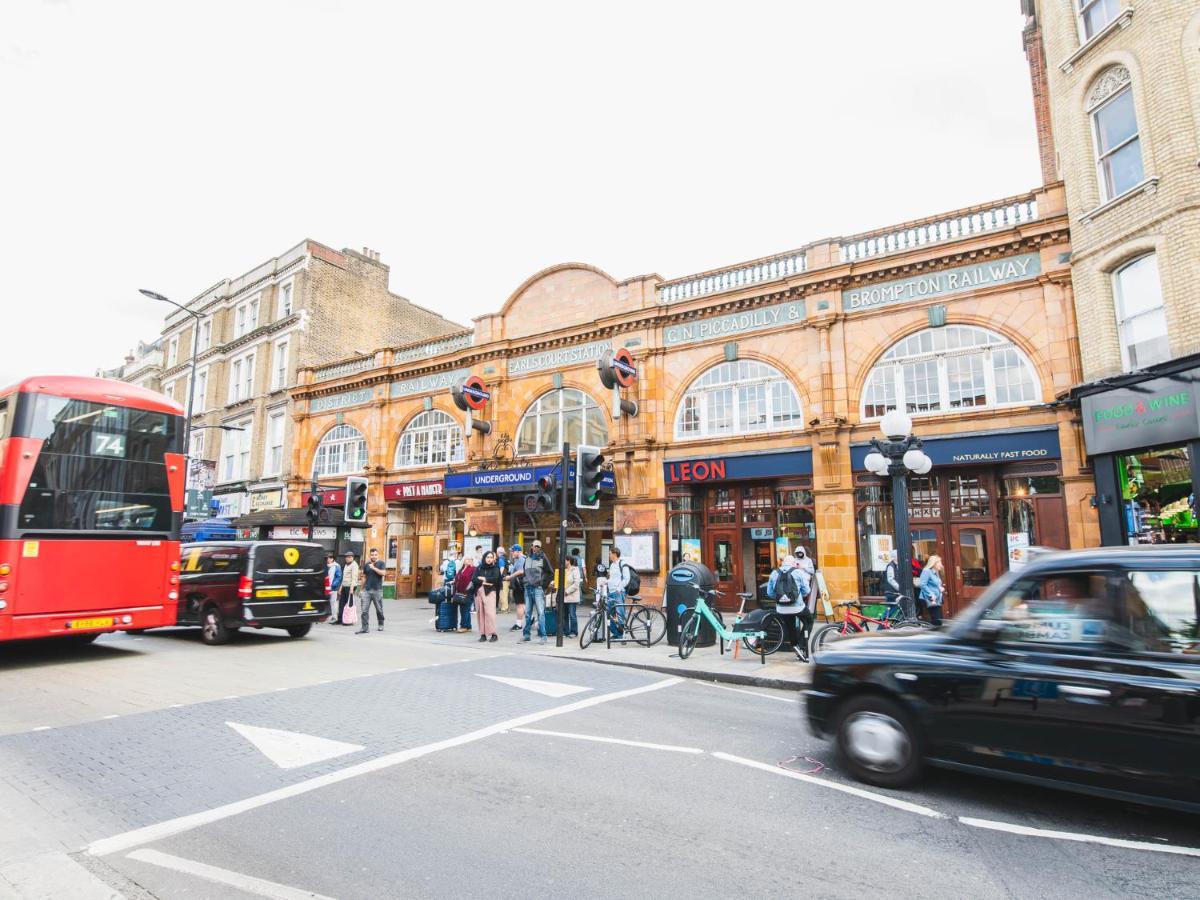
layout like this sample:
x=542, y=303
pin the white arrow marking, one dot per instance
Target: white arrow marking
x=291, y=749
x=547, y=688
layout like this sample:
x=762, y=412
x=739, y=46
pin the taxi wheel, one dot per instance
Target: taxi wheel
x=879, y=742
x=212, y=627
x=299, y=631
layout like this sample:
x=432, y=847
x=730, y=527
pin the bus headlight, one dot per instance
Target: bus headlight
x=3, y=604
x=3, y=586
x=5, y=568
x=126, y=620
x=172, y=595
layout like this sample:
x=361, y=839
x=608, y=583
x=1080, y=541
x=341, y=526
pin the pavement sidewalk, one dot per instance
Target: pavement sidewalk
x=413, y=618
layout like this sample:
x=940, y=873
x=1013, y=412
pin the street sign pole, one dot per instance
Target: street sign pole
x=562, y=545
x=310, y=520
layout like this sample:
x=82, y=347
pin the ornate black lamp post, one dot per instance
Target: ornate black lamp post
x=897, y=454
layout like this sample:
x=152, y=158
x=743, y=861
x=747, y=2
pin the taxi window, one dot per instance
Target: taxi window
x=1160, y=610
x=1066, y=608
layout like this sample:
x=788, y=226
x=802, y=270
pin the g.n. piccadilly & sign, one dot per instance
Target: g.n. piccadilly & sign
x=734, y=324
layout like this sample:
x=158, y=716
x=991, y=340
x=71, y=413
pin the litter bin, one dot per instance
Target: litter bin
x=682, y=584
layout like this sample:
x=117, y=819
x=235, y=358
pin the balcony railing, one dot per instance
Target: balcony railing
x=435, y=347
x=348, y=367
x=731, y=279
x=967, y=222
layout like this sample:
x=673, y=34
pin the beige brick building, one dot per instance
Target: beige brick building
x=306, y=306
x=142, y=366
x=1119, y=119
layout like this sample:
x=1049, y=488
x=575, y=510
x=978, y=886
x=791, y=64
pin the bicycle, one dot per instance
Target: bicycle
x=763, y=641
x=646, y=625
x=855, y=621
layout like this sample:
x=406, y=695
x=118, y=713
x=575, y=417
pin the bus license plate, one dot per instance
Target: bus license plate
x=271, y=592
x=90, y=623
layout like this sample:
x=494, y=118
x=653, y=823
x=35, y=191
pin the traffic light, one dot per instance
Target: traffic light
x=315, y=505
x=546, y=494
x=356, y=499
x=588, y=473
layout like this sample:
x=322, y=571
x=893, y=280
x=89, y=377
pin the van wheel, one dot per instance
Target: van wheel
x=212, y=627
x=879, y=742
x=299, y=631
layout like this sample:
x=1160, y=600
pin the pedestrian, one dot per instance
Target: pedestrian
x=515, y=579
x=581, y=569
x=477, y=559
x=618, y=578
x=931, y=589
x=535, y=576
x=449, y=569
x=502, y=562
x=808, y=569
x=462, y=585
x=786, y=587
x=350, y=575
x=891, y=579
x=485, y=586
x=372, y=592
x=571, y=596
x=333, y=574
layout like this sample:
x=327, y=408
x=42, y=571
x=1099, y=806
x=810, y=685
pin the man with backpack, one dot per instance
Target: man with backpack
x=536, y=575
x=623, y=581
x=789, y=588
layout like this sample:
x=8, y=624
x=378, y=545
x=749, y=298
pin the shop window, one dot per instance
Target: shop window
x=343, y=451
x=427, y=518
x=722, y=507
x=1115, y=133
x=968, y=496
x=797, y=520
x=1159, y=498
x=431, y=439
x=684, y=528
x=562, y=415
x=739, y=397
x=955, y=367
x=1028, y=485
x=1141, y=319
x=758, y=506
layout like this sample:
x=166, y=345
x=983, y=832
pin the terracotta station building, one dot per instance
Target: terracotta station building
x=759, y=386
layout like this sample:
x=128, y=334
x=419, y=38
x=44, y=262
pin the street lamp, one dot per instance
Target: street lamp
x=897, y=454
x=153, y=295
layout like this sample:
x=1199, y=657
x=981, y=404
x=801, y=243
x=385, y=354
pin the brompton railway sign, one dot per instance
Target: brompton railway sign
x=944, y=283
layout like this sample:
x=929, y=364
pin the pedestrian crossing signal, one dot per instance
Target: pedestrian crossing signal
x=313, y=513
x=546, y=494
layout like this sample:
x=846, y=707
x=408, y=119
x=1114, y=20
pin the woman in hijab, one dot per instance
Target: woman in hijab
x=485, y=585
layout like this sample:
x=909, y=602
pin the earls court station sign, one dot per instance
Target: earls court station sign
x=942, y=284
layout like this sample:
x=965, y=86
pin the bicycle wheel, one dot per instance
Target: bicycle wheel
x=647, y=625
x=772, y=641
x=829, y=633
x=689, y=633
x=592, y=630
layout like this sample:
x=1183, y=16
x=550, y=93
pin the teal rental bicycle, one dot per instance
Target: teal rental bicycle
x=763, y=637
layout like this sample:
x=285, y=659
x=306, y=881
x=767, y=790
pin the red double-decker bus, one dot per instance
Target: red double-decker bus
x=91, y=501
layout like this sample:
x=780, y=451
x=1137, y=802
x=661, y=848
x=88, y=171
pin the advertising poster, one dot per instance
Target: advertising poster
x=881, y=551
x=689, y=549
x=1018, y=550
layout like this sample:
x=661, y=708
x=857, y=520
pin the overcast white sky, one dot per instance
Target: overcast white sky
x=169, y=145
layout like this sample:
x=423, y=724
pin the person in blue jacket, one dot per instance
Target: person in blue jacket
x=333, y=575
x=931, y=590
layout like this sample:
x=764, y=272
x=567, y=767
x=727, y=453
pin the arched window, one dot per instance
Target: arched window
x=1115, y=133
x=343, y=451
x=950, y=368
x=563, y=415
x=431, y=439
x=740, y=397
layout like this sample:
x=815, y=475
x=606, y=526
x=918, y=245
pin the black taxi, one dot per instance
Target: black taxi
x=227, y=585
x=1079, y=671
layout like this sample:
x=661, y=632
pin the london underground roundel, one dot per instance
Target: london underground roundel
x=475, y=392
x=623, y=368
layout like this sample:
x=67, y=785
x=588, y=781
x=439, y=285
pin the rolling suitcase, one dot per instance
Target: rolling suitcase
x=446, y=616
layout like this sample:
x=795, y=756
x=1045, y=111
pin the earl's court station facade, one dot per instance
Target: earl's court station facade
x=759, y=386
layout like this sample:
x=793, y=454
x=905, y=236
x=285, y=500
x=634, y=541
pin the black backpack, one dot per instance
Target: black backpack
x=634, y=585
x=787, y=587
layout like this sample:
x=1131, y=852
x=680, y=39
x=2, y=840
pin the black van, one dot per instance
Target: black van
x=227, y=585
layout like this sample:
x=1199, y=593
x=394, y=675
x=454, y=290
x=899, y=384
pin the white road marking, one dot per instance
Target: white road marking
x=1082, y=838
x=608, y=740
x=751, y=693
x=139, y=836
x=175, y=706
x=833, y=785
x=42, y=728
x=247, y=883
x=292, y=749
x=553, y=689
x=113, y=716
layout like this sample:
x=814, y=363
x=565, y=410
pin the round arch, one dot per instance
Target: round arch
x=736, y=397
x=561, y=414
x=342, y=450
x=431, y=437
x=958, y=367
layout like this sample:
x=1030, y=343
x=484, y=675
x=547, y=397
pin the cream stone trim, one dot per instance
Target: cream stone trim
x=1110, y=83
x=1122, y=21
x=1145, y=186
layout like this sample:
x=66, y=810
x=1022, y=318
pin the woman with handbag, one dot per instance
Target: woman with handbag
x=462, y=597
x=485, y=589
x=931, y=589
x=571, y=596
